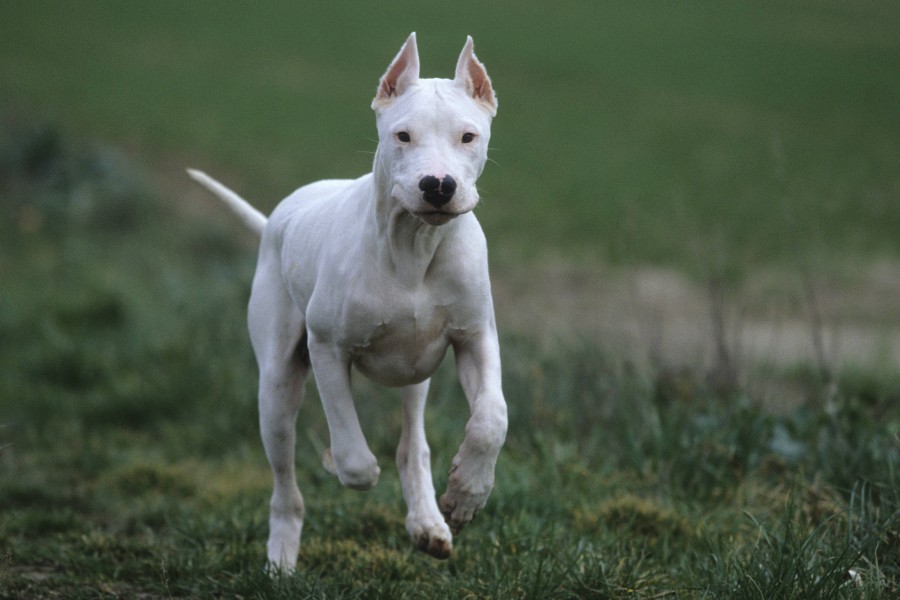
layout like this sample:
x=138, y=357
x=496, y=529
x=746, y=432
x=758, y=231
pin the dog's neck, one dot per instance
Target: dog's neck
x=407, y=245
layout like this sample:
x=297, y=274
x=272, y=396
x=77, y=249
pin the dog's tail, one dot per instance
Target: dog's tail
x=252, y=218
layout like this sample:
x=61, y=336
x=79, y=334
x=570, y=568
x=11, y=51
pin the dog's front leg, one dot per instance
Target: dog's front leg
x=349, y=456
x=472, y=470
x=424, y=522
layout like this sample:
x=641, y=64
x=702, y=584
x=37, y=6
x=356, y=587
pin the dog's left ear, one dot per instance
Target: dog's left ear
x=472, y=75
x=400, y=75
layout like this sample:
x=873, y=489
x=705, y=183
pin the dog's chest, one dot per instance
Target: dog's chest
x=401, y=340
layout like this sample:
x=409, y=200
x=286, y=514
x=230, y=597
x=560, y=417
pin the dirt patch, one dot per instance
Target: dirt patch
x=666, y=318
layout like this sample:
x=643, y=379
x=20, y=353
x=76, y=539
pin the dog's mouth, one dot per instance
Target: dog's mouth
x=435, y=217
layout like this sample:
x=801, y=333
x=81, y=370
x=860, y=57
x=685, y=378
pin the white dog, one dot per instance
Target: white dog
x=383, y=273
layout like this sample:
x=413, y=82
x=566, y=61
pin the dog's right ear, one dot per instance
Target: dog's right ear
x=403, y=72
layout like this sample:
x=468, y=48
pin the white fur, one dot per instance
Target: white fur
x=367, y=273
x=252, y=218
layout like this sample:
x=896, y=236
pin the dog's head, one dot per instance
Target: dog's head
x=433, y=134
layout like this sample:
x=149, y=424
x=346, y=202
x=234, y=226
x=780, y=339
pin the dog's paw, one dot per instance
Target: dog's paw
x=276, y=570
x=283, y=545
x=360, y=480
x=430, y=536
x=459, y=511
x=359, y=474
x=464, y=498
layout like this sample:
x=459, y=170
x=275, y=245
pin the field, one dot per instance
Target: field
x=740, y=160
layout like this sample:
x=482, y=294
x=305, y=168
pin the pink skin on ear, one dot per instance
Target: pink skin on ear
x=472, y=75
x=401, y=74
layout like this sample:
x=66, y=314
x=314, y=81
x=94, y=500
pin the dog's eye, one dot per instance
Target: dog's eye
x=468, y=138
x=403, y=136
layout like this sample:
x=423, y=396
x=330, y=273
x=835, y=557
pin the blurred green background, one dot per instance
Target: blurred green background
x=649, y=132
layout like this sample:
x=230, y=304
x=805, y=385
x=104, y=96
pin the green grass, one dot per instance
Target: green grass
x=692, y=133
x=130, y=464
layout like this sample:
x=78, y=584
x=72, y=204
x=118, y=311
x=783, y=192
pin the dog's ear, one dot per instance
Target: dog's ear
x=403, y=72
x=472, y=75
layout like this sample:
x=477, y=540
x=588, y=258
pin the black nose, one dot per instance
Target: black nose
x=437, y=192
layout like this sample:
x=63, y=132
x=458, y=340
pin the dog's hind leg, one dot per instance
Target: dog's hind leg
x=277, y=330
x=424, y=521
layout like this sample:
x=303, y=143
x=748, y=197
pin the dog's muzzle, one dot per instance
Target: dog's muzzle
x=437, y=192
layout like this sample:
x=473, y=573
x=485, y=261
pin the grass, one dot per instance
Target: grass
x=130, y=464
x=692, y=134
